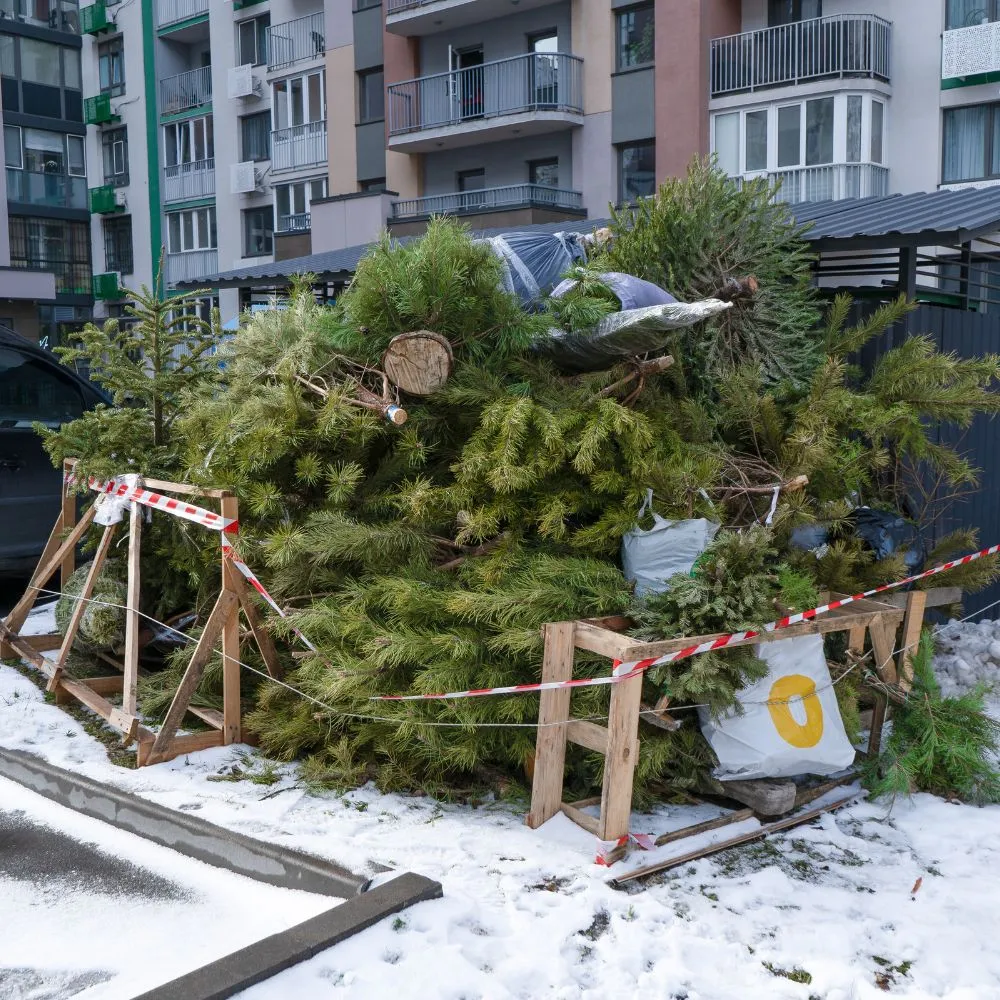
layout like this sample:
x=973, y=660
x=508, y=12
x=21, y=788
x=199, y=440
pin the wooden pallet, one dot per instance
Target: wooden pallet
x=94, y=692
x=619, y=740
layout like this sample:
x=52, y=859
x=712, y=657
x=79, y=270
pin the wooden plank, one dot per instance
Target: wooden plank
x=601, y=640
x=878, y=720
x=588, y=822
x=184, y=489
x=210, y=715
x=621, y=758
x=178, y=746
x=616, y=623
x=45, y=570
x=81, y=604
x=587, y=734
x=856, y=639
x=131, y=659
x=583, y=803
x=553, y=710
x=125, y=723
x=103, y=685
x=16, y=620
x=936, y=597
x=43, y=643
x=710, y=824
x=24, y=650
x=262, y=637
x=882, y=636
x=807, y=795
x=910, y=640
x=95, y=702
x=231, y=704
x=192, y=675
x=67, y=518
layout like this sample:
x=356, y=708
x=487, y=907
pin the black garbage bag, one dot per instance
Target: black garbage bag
x=886, y=533
x=809, y=536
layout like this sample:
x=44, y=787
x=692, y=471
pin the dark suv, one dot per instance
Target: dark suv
x=33, y=387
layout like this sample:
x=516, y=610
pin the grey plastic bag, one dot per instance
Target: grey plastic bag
x=651, y=557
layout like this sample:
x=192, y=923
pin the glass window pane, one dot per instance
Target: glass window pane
x=280, y=104
x=317, y=189
x=637, y=171
x=544, y=173
x=71, y=68
x=966, y=13
x=756, y=133
x=248, y=42
x=77, y=160
x=7, y=64
x=12, y=145
x=209, y=137
x=263, y=23
x=964, y=144
x=187, y=224
x=854, y=104
x=174, y=233
x=298, y=198
x=635, y=37
x=727, y=142
x=315, y=95
x=819, y=131
x=296, y=102
x=789, y=145
x=184, y=142
x=39, y=61
x=30, y=391
x=878, y=123
x=44, y=152
x=213, y=240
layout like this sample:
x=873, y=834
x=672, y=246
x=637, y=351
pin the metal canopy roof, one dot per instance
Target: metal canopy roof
x=936, y=218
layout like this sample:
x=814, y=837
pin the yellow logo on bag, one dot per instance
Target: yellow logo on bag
x=798, y=734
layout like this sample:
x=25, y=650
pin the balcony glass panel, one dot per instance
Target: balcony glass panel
x=29, y=187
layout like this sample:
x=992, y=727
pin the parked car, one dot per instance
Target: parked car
x=33, y=387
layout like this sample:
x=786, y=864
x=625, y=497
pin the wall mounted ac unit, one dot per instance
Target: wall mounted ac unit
x=243, y=84
x=245, y=178
x=120, y=199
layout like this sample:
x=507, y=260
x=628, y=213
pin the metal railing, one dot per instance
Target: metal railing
x=537, y=81
x=298, y=146
x=31, y=187
x=970, y=51
x=295, y=41
x=298, y=223
x=831, y=182
x=488, y=199
x=191, y=264
x=172, y=11
x=186, y=90
x=395, y=6
x=844, y=45
x=189, y=180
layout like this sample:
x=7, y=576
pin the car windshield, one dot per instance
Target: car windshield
x=32, y=390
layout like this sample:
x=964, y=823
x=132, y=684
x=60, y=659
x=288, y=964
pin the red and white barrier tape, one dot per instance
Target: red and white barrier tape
x=626, y=671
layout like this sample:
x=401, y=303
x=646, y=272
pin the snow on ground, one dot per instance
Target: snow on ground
x=527, y=914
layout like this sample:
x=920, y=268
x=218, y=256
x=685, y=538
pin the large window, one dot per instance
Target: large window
x=189, y=141
x=258, y=232
x=371, y=96
x=544, y=172
x=967, y=13
x=636, y=171
x=252, y=39
x=634, y=36
x=292, y=202
x=255, y=136
x=298, y=100
x=44, y=152
x=790, y=11
x=56, y=245
x=114, y=146
x=971, y=143
x=43, y=78
x=190, y=230
x=61, y=15
x=111, y=66
x=118, y=244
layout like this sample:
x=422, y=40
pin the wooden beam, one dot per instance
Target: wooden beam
x=103, y=685
x=161, y=485
x=588, y=822
x=231, y=699
x=882, y=635
x=878, y=720
x=910, y=640
x=601, y=640
x=86, y=696
x=553, y=710
x=261, y=636
x=587, y=734
x=24, y=650
x=620, y=761
x=710, y=824
x=192, y=675
x=936, y=597
x=210, y=715
x=131, y=660
x=178, y=746
x=67, y=518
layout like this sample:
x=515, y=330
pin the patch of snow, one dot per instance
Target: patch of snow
x=41, y=620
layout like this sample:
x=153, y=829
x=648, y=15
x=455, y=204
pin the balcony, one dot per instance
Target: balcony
x=97, y=110
x=192, y=89
x=301, y=222
x=970, y=52
x=296, y=41
x=189, y=180
x=832, y=182
x=426, y=17
x=94, y=19
x=298, y=146
x=854, y=46
x=29, y=187
x=175, y=11
x=524, y=95
x=191, y=265
x=489, y=200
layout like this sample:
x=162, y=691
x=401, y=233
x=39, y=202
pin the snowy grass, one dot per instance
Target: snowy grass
x=824, y=911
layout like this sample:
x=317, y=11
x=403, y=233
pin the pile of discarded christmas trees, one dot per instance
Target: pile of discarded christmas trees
x=452, y=454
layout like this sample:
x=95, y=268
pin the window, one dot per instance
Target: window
x=365, y=4
x=969, y=143
x=77, y=157
x=790, y=11
x=968, y=13
x=255, y=136
x=12, y=146
x=8, y=55
x=634, y=36
x=854, y=112
x=471, y=180
x=545, y=173
x=56, y=245
x=756, y=140
x=258, y=232
x=252, y=37
x=40, y=62
x=727, y=142
x=189, y=141
x=636, y=171
x=819, y=131
x=111, y=67
x=114, y=147
x=878, y=123
x=71, y=68
x=292, y=201
x=118, y=244
x=789, y=135
x=45, y=152
x=31, y=391
x=193, y=229
x=371, y=96
x=373, y=186
x=298, y=100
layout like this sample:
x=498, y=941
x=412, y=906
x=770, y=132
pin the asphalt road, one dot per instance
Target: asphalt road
x=10, y=591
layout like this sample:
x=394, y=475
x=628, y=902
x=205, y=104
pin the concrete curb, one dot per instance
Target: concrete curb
x=249, y=966
x=181, y=832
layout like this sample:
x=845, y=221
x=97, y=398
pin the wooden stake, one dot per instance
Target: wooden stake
x=231, y=707
x=623, y=752
x=261, y=636
x=916, y=601
x=882, y=636
x=132, y=614
x=550, y=743
x=67, y=519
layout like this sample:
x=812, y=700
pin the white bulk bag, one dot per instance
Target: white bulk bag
x=651, y=557
x=798, y=731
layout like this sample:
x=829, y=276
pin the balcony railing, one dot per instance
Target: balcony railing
x=395, y=6
x=186, y=90
x=31, y=187
x=296, y=41
x=298, y=223
x=191, y=265
x=832, y=182
x=189, y=180
x=537, y=81
x=970, y=51
x=298, y=146
x=172, y=11
x=488, y=200
x=845, y=45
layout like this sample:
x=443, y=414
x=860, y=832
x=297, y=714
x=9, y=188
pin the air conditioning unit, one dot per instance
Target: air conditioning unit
x=242, y=83
x=120, y=199
x=245, y=178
